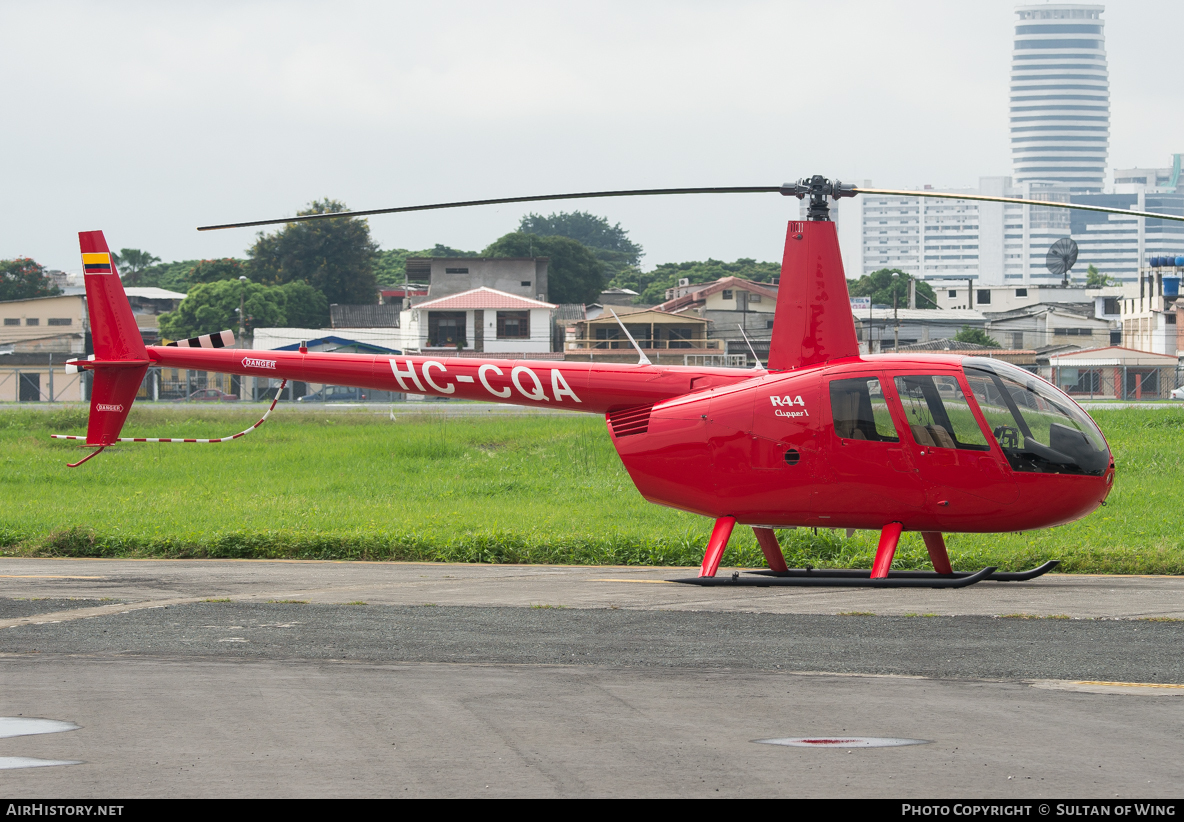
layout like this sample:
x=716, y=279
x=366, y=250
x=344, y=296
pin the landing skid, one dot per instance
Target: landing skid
x=859, y=573
x=861, y=578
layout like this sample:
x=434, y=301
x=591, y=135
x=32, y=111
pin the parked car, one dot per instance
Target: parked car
x=209, y=395
x=1178, y=394
x=335, y=393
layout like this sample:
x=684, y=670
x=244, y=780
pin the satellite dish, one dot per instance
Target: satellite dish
x=1061, y=257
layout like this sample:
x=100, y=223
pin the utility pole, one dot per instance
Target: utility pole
x=242, y=304
x=895, y=317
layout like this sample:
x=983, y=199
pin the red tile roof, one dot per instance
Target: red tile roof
x=699, y=295
x=482, y=297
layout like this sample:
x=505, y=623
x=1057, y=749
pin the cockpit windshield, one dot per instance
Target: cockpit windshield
x=1039, y=428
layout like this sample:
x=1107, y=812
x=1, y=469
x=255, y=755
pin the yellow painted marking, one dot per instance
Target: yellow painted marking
x=643, y=581
x=1131, y=684
x=95, y=257
x=43, y=576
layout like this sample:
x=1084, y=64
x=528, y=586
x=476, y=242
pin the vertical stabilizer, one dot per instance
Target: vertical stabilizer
x=813, y=323
x=121, y=359
x=112, y=324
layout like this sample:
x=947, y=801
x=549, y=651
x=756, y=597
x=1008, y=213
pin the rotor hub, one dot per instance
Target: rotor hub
x=818, y=189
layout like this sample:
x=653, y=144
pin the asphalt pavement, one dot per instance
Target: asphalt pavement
x=219, y=678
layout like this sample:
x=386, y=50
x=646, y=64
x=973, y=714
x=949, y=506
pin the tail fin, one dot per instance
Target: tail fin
x=121, y=360
x=813, y=322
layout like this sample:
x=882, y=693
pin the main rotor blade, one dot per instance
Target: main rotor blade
x=586, y=195
x=988, y=198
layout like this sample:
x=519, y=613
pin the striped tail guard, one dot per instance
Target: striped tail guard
x=223, y=339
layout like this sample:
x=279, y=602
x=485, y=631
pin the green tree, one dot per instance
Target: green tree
x=172, y=276
x=304, y=306
x=881, y=286
x=22, y=279
x=574, y=274
x=446, y=251
x=652, y=285
x=334, y=256
x=212, y=307
x=131, y=262
x=610, y=243
x=390, y=266
x=976, y=336
x=1096, y=279
x=211, y=271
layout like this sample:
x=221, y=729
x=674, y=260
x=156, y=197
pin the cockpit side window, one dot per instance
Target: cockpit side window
x=1037, y=429
x=860, y=411
x=938, y=414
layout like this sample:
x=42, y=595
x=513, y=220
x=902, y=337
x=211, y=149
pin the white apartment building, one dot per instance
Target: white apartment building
x=1007, y=244
x=995, y=243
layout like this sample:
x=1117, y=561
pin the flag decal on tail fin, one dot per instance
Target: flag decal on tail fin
x=223, y=339
x=96, y=263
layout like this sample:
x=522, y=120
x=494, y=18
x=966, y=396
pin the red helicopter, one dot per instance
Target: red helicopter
x=822, y=436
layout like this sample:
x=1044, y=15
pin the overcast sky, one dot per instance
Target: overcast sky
x=148, y=119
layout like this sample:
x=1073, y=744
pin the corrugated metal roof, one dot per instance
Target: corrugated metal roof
x=483, y=297
x=1114, y=355
x=364, y=316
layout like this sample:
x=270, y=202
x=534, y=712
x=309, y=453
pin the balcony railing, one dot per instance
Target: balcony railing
x=646, y=345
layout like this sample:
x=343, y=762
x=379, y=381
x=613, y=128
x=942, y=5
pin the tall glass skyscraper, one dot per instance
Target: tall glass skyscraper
x=1060, y=97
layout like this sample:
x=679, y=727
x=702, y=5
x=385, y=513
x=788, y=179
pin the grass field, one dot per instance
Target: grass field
x=545, y=489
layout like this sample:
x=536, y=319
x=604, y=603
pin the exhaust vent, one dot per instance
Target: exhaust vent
x=626, y=422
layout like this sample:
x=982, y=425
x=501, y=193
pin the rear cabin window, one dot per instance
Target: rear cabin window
x=860, y=411
x=939, y=415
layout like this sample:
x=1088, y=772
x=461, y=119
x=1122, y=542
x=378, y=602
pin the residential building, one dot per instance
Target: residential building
x=665, y=337
x=1060, y=96
x=1002, y=298
x=1043, y=326
x=881, y=328
x=1152, y=313
x=521, y=276
x=44, y=324
x=730, y=304
x=482, y=320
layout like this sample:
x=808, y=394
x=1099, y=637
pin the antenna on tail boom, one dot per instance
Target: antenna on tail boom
x=642, y=358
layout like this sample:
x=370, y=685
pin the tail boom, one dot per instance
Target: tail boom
x=575, y=386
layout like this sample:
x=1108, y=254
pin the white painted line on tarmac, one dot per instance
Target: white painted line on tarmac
x=8, y=763
x=43, y=576
x=11, y=726
x=1102, y=687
